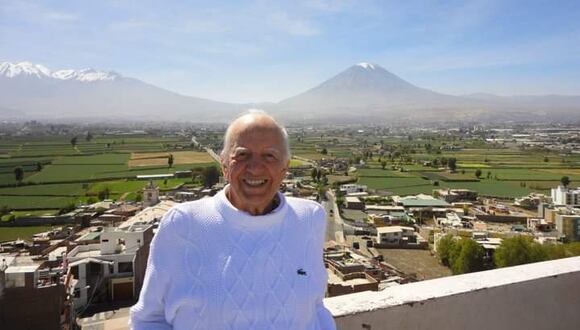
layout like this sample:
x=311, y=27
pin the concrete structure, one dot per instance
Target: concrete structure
x=565, y=196
x=419, y=201
x=568, y=225
x=149, y=216
x=456, y=195
x=352, y=188
x=150, y=194
x=543, y=295
x=112, y=270
x=31, y=295
x=395, y=234
x=353, y=203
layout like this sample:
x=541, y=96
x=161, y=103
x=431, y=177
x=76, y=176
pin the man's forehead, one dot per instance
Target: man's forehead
x=247, y=130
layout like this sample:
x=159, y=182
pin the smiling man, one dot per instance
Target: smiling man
x=247, y=258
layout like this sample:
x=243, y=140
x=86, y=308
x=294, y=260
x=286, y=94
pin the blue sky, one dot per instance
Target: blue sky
x=255, y=51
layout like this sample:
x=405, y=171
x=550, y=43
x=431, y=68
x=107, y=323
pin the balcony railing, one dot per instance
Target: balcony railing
x=543, y=295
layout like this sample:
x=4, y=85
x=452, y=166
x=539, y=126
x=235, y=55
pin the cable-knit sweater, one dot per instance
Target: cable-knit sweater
x=212, y=266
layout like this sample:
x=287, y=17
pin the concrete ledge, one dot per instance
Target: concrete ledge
x=543, y=295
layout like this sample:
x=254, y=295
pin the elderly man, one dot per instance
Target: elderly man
x=247, y=258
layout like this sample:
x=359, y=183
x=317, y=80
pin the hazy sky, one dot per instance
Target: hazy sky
x=243, y=51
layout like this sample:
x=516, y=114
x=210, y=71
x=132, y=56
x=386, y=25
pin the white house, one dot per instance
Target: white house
x=352, y=188
x=394, y=234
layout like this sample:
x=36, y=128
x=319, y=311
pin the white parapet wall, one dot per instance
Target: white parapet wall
x=544, y=295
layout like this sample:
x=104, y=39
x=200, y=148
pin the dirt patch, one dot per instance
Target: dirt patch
x=420, y=262
x=160, y=158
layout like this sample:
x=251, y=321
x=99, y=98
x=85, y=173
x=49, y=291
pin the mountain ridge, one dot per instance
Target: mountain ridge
x=362, y=92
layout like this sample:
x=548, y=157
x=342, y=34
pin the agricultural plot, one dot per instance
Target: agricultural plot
x=378, y=172
x=25, y=202
x=398, y=186
x=82, y=168
x=13, y=233
x=160, y=158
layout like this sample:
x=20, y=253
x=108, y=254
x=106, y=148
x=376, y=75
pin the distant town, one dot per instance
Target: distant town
x=80, y=204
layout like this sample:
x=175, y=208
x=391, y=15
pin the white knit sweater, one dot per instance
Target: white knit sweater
x=213, y=266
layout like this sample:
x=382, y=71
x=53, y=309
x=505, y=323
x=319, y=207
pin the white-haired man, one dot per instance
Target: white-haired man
x=247, y=258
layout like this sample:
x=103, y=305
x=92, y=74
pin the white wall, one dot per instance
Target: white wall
x=537, y=296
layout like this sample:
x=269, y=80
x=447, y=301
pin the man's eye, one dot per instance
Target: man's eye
x=241, y=154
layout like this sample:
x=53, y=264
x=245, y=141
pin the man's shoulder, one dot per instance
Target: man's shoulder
x=184, y=215
x=301, y=203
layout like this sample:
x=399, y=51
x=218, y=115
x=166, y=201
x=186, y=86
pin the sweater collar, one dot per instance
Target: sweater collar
x=239, y=218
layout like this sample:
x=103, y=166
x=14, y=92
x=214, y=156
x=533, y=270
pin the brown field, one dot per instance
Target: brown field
x=419, y=262
x=160, y=158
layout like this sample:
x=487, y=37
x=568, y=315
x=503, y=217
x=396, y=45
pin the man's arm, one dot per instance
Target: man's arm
x=325, y=318
x=150, y=311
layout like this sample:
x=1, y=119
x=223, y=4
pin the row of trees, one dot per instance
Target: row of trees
x=466, y=256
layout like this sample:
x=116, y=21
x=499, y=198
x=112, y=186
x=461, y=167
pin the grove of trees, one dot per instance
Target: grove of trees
x=462, y=256
x=466, y=255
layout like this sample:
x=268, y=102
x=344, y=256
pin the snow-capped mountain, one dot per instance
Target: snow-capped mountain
x=27, y=69
x=367, y=92
x=34, y=91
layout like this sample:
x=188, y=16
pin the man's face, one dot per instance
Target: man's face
x=255, y=166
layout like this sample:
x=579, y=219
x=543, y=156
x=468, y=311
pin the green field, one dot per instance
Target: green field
x=74, y=174
x=12, y=233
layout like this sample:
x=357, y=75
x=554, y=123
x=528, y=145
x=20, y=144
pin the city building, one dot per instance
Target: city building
x=568, y=225
x=112, y=270
x=456, y=195
x=353, y=203
x=565, y=196
x=352, y=188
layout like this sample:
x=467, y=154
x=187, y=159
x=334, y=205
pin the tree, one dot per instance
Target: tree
x=324, y=151
x=104, y=193
x=211, y=176
x=470, y=257
x=38, y=167
x=444, y=247
x=18, y=174
x=170, y=160
x=383, y=164
x=478, y=173
x=462, y=256
x=518, y=250
x=89, y=137
x=546, y=159
x=565, y=180
x=73, y=141
x=452, y=164
x=314, y=173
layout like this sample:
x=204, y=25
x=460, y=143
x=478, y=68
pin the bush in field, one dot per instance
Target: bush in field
x=18, y=174
x=565, y=180
x=104, y=193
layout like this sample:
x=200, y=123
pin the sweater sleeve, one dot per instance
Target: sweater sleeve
x=325, y=318
x=150, y=312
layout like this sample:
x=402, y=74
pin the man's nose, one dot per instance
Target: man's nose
x=255, y=164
